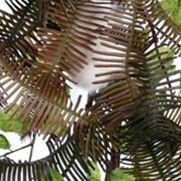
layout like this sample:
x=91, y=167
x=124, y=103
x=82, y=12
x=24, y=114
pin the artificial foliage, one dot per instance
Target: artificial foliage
x=95, y=173
x=118, y=174
x=131, y=121
x=55, y=175
x=173, y=8
x=9, y=124
x=4, y=143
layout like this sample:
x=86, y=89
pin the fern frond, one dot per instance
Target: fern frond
x=64, y=157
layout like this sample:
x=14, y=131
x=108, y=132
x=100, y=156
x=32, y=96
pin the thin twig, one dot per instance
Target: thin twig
x=32, y=146
x=4, y=155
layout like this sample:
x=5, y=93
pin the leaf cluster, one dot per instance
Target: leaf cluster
x=134, y=120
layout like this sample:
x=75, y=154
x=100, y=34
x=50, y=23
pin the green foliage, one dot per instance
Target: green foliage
x=46, y=44
x=8, y=124
x=164, y=49
x=168, y=50
x=4, y=143
x=166, y=57
x=173, y=8
x=56, y=175
x=95, y=174
x=119, y=175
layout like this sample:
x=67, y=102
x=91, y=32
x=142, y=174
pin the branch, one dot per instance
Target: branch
x=32, y=146
x=4, y=155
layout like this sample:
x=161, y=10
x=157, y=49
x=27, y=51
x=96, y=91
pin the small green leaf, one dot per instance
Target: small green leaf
x=169, y=6
x=167, y=60
x=95, y=173
x=4, y=143
x=173, y=8
x=119, y=174
x=8, y=124
x=56, y=175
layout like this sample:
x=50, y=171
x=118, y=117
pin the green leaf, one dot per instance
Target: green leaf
x=169, y=6
x=8, y=124
x=4, y=143
x=167, y=57
x=173, y=8
x=119, y=174
x=95, y=173
x=56, y=175
x=176, y=16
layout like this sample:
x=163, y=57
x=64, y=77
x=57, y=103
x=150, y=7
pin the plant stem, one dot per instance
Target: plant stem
x=13, y=151
x=32, y=146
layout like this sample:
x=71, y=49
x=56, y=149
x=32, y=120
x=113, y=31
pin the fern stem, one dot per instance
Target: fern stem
x=13, y=151
x=32, y=147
